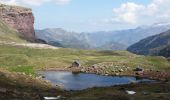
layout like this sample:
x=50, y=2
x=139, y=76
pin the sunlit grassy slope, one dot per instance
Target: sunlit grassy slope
x=8, y=34
x=11, y=56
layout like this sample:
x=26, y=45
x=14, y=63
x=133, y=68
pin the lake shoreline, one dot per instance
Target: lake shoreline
x=81, y=81
x=150, y=74
x=117, y=90
x=157, y=90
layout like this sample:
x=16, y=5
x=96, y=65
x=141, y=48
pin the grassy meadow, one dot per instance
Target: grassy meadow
x=23, y=59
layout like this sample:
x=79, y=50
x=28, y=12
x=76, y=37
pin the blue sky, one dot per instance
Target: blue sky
x=79, y=15
x=95, y=15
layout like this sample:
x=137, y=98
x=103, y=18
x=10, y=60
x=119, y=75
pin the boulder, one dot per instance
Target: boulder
x=76, y=64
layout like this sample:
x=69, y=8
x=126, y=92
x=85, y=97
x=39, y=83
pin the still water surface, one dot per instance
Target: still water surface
x=79, y=81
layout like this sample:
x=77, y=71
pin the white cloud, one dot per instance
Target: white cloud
x=13, y=2
x=62, y=2
x=34, y=2
x=132, y=13
x=128, y=12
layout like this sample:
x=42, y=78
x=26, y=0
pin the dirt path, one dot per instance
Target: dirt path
x=30, y=45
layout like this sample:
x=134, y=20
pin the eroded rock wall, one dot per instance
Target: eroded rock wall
x=19, y=18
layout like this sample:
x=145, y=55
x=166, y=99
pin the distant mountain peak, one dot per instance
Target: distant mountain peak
x=142, y=27
x=161, y=24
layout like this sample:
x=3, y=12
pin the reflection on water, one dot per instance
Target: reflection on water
x=70, y=81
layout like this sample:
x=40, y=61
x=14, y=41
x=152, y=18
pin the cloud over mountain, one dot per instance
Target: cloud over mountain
x=133, y=13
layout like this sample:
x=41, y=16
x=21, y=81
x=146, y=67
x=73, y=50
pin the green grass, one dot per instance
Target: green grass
x=46, y=58
x=28, y=70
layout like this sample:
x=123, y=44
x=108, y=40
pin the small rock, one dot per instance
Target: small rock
x=130, y=92
x=3, y=90
x=52, y=98
x=43, y=76
x=82, y=70
x=94, y=66
x=121, y=70
x=76, y=64
x=117, y=74
x=106, y=74
x=145, y=93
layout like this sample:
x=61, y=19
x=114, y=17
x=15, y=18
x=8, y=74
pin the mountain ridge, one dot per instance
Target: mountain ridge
x=62, y=38
x=153, y=45
x=104, y=40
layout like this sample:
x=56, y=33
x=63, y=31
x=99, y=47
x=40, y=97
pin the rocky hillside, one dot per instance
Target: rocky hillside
x=111, y=40
x=128, y=37
x=61, y=38
x=19, y=18
x=154, y=45
x=165, y=51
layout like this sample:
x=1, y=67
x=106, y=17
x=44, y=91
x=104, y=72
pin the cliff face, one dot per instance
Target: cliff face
x=20, y=19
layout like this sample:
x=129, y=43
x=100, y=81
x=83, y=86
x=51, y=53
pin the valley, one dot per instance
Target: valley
x=24, y=52
x=104, y=40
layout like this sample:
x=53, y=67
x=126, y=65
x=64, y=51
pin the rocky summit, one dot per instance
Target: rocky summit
x=20, y=19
